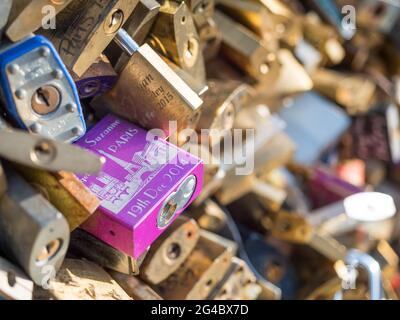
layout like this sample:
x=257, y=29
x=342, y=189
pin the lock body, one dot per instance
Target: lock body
x=39, y=93
x=33, y=232
x=168, y=253
x=208, y=263
x=85, y=28
x=144, y=185
x=149, y=93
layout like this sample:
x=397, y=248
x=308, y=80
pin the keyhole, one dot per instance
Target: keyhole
x=114, y=22
x=174, y=251
x=45, y=100
x=43, y=96
x=11, y=278
x=191, y=51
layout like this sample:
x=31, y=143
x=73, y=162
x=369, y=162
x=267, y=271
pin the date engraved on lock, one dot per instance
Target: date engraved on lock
x=156, y=91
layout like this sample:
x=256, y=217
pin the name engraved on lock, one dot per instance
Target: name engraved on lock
x=126, y=179
x=74, y=39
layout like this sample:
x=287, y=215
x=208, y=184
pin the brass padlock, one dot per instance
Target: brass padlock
x=222, y=102
x=149, y=92
x=94, y=26
x=201, y=271
x=355, y=92
x=169, y=251
x=248, y=51
x=138, y=26
x=239, y=283
x=174, y=35
x=27, y=16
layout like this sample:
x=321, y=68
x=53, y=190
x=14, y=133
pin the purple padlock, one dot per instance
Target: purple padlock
x=145, y=184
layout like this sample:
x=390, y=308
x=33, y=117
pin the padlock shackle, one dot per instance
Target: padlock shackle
x=125, y=42
x=356, y=259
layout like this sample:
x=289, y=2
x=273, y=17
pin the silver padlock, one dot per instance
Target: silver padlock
x=355, y=259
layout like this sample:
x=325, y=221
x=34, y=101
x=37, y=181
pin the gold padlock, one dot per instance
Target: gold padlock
x=201, y=271
x=149, y=92
x=27, y=16
x=174, y=35
x=248, y=51
x=169, y=251
x=94, y=27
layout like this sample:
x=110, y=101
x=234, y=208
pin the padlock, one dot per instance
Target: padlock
x=265, y=150
x=5, y=8
x=362, y=208
x=145, y=184
x=38, y=92
x=33, y=232
x=209, y=216
x=169, y=251
x=324, y=38
x=314, y=124
x=324, y=187
x=134, y=287
x=14, y=284
x=375, y=135
x=354, y=92
x=94, y=26
x=202, y=270
x=174, y=36
x=84, y=245
x=138, y=26
x=238, y=284
x=293, y=79
x=81, y=280
x=201, y=10
x=97, y=80
x=250, y=53
x=222, y=101
x=159, y=96
x=29, y=15
x=261, y=200
x=355, y=259
x=287, y=24
x=65, y=192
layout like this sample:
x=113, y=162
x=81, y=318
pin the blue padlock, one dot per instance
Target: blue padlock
x=38, y=92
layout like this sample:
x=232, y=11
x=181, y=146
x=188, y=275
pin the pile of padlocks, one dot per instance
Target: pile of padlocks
x=110, y=186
